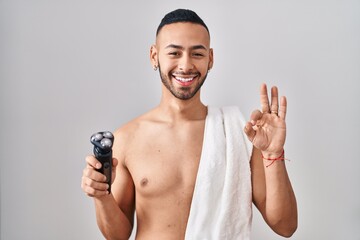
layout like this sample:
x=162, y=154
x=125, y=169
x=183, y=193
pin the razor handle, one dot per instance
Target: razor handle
x=103, y=142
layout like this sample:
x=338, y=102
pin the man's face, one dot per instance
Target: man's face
x=183, y=54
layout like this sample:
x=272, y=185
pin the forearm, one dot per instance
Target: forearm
x=111, y=220
x=280, y=204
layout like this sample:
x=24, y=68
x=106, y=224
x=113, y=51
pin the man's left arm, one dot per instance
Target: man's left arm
x=273, y=194
x=272, y=191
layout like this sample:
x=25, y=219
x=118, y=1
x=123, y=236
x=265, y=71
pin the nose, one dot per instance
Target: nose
x=185, y=63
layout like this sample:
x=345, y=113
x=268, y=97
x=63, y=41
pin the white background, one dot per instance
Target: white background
x=71, y=68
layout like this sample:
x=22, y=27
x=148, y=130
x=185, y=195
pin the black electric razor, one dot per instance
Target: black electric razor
x=103, y=142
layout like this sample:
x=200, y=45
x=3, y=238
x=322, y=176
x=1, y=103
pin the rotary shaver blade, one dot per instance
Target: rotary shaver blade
x=103, y=142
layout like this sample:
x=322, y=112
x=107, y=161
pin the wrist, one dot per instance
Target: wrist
x=272, y=157
x=103, y=198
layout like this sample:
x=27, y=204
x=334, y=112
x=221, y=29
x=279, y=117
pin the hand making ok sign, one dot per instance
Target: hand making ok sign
x=267, y=128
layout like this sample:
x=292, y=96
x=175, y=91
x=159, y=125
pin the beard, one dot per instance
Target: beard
x=185, y=92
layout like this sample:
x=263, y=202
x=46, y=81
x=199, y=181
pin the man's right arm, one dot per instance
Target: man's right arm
x=114, y=211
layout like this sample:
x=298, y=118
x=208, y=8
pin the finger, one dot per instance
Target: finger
x=114, y=162
x=99, y=186
x=274, y=108
x=264, y=99
x=283, y=107
x=93, y=162
x=94, y=192
x=94, y=175
x=114, y=168
x=98, y=190
x=249, y=131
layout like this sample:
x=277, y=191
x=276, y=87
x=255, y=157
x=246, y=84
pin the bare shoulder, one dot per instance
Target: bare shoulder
x=131, y=128
x=127, y=135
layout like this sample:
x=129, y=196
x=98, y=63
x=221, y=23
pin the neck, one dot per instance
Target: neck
x=177, y=109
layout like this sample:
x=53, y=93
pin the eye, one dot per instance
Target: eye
x=198, y=54
x=174, y=53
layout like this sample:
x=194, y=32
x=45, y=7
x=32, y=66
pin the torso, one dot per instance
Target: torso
x=163, y=158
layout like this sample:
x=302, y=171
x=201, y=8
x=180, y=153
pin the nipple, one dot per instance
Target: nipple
x=144, y=182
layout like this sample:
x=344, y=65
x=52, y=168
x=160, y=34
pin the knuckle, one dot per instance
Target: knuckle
x=91, y=191
x=88, y=159
x=89, y=195
x=86, y=172
x=105, y=187
x=91, y=183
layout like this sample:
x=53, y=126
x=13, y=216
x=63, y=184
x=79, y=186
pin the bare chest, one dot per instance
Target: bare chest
x=164, y=161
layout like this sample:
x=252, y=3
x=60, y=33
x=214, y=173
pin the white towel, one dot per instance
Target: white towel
x=221, y=207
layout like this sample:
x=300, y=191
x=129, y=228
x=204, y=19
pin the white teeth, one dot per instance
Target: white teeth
x=184, y=79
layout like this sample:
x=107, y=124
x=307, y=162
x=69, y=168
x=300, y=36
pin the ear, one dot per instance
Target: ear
x=211, y=59
x=154, y=56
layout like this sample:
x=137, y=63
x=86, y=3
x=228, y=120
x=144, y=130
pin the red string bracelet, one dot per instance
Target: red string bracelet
x=281, y=157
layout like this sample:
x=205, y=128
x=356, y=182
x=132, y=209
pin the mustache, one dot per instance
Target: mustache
x=197, y=73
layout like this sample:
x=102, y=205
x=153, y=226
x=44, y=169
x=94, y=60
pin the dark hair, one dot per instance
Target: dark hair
x=181, y=15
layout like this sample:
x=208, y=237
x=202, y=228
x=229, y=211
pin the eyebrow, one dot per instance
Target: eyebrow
x=182, y=48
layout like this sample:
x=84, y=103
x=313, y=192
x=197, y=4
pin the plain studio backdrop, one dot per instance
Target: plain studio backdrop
x=71, y=68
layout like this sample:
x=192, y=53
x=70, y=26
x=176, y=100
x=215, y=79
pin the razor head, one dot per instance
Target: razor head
x=102, y=141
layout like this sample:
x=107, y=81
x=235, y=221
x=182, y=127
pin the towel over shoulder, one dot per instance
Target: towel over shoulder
x=221, y=207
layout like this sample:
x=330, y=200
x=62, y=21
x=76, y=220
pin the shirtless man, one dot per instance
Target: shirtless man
x=156, y=156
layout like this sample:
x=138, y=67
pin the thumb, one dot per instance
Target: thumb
x=114, y=162
x=113, y=170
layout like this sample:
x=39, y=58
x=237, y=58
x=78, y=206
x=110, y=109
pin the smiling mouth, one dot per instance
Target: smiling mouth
x=185, y=80
x=181, y=79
